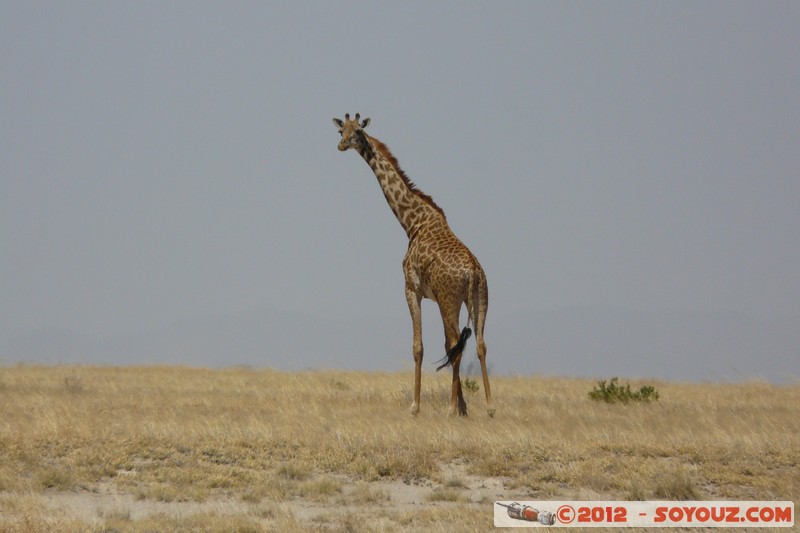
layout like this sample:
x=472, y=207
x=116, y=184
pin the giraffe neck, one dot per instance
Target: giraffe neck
x=412, y=207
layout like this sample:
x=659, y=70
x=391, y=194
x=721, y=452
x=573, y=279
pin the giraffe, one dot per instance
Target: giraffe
x=436, y=266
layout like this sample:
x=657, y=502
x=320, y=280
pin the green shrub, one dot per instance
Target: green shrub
x=611, y=392
x=471, y=386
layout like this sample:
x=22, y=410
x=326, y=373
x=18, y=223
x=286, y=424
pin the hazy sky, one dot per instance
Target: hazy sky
x=161, y=161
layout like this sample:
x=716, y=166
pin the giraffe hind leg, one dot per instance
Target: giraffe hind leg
x=481, y=349
x=454, y=347
x=490, y=410
x=459, y=404
x=477, y=304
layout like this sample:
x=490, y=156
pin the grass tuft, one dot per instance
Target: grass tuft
x=294, y=471
x=55, y=478
x=319, y=489
x=675, y=486
x=74, y=384
x=445, y=494
x=363, y=493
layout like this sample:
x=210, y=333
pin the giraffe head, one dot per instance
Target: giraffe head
x=350, y=130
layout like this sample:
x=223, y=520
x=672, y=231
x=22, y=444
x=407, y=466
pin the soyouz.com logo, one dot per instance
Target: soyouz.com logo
x=644, y=514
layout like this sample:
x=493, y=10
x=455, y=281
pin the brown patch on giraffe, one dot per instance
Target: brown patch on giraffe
x=384, y=150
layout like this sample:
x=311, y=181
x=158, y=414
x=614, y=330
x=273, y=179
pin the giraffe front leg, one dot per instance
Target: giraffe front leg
x=414, y=308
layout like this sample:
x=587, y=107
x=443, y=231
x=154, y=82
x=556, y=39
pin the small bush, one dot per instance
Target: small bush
x=471, y=386
x=611, y=392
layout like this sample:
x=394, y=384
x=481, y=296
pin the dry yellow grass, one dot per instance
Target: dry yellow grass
x=163, y=448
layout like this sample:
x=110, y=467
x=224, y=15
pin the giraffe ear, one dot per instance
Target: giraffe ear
x=365, y=123
x=338, y=122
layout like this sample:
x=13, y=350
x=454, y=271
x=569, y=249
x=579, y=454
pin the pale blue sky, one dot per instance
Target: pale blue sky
x=162, y=162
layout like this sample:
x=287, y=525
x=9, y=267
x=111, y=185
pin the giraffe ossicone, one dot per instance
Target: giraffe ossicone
x=437, y=265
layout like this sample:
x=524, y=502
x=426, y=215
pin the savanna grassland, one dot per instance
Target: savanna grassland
x=184, y=449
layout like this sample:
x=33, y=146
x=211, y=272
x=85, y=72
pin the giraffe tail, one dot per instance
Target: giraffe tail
x=455, y=350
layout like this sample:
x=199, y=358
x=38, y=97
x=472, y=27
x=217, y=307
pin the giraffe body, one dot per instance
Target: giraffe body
x=437, y=265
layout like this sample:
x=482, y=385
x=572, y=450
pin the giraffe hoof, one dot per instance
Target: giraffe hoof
x=414, y=409
x=490, y=412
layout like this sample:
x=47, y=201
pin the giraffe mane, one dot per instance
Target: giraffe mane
x=384, y=150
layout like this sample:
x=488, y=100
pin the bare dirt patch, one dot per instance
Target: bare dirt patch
x=390, y=501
